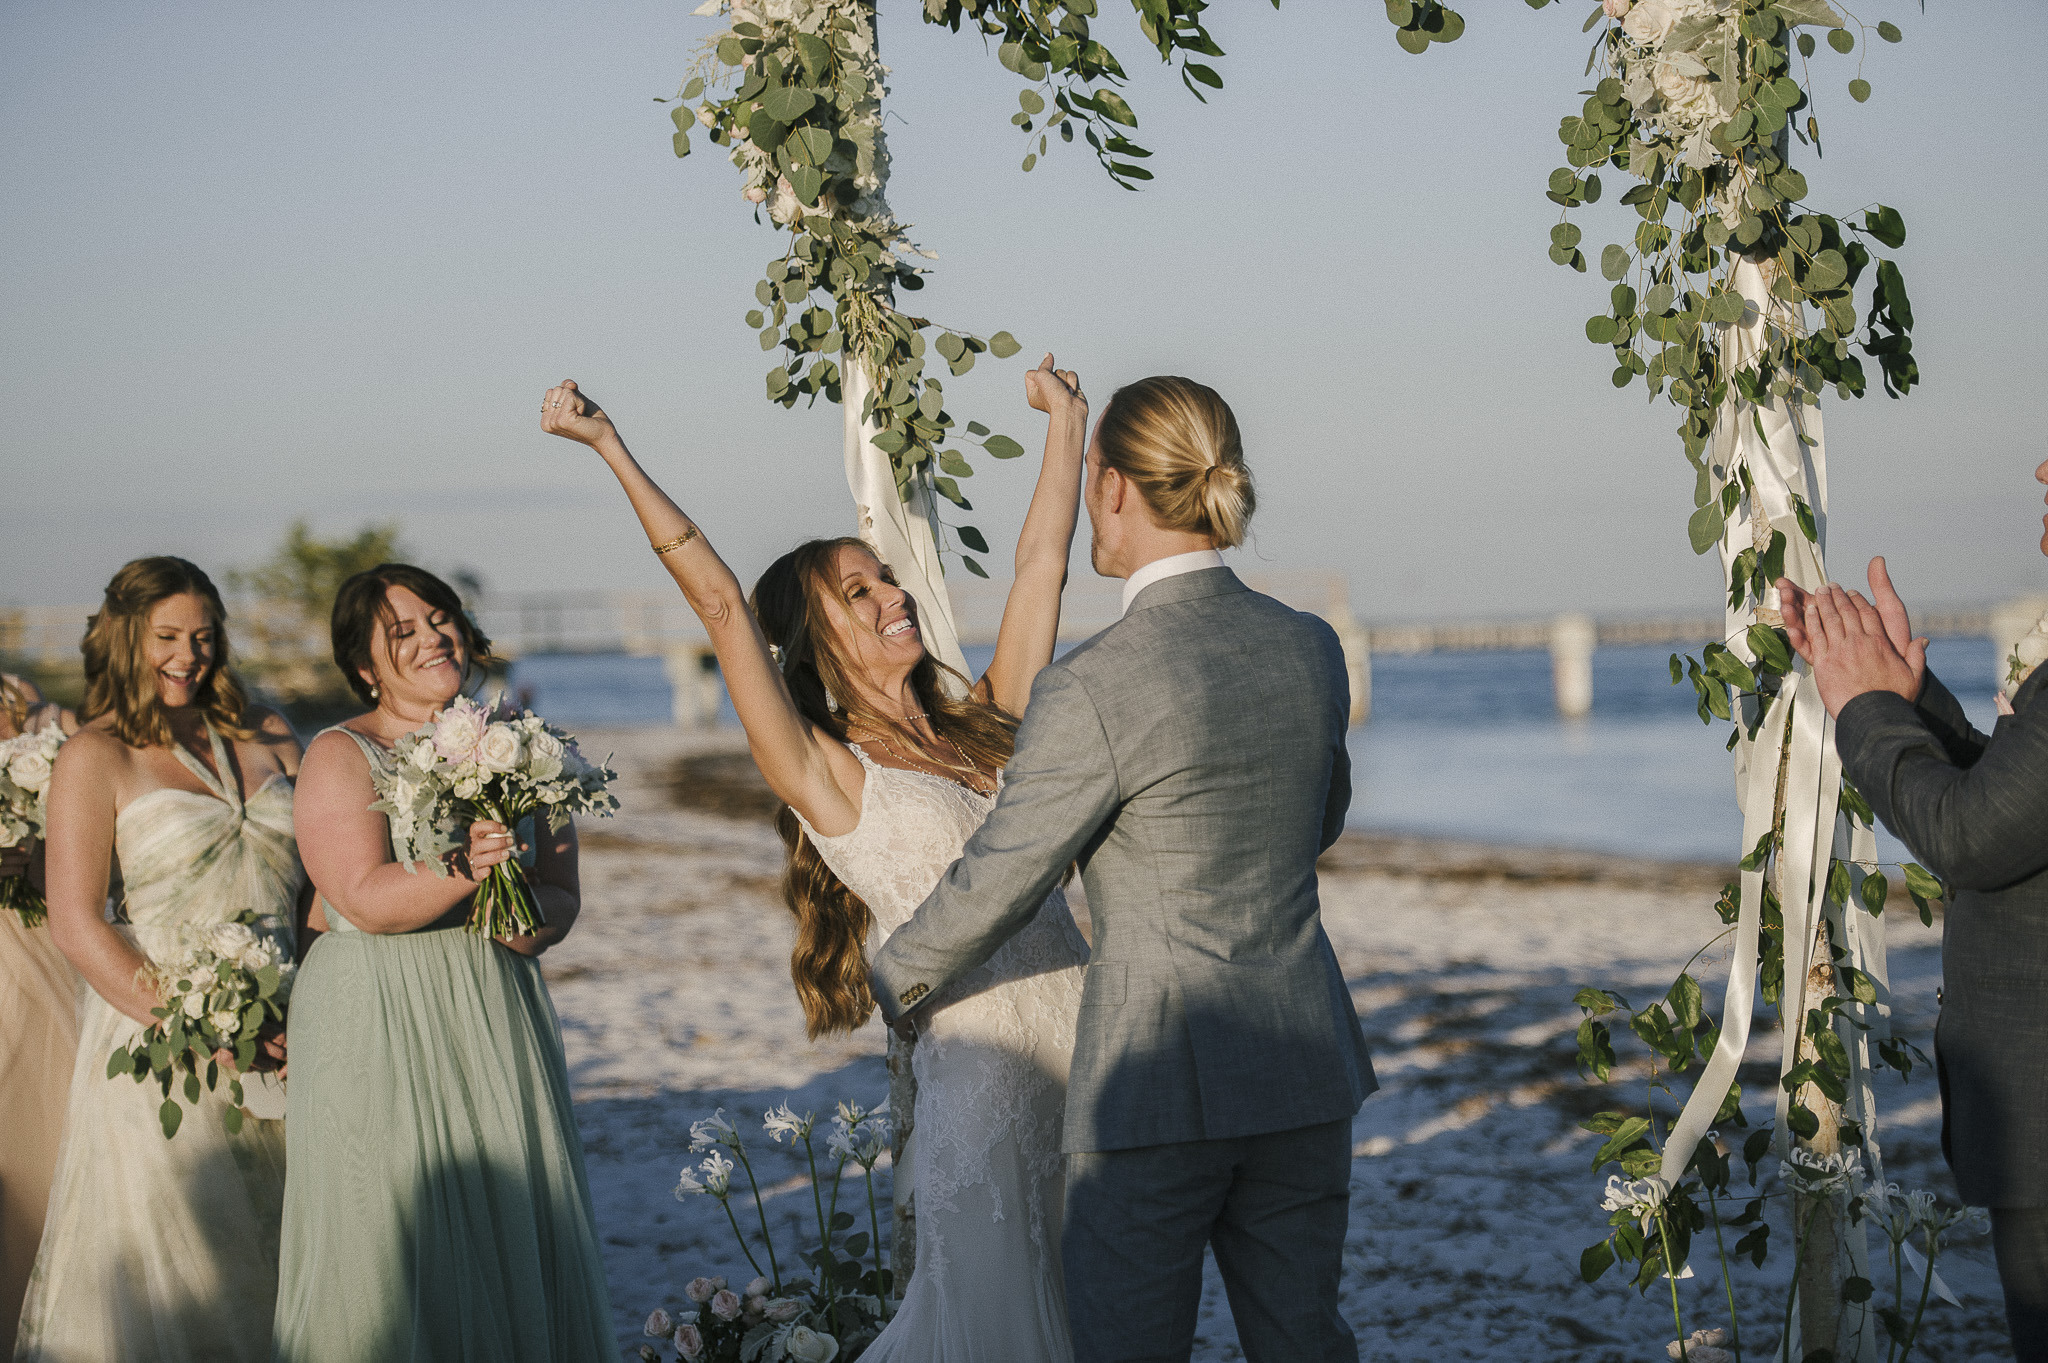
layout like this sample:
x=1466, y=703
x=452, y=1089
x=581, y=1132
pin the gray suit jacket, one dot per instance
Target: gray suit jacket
x=1191, y=759
x=1974, y=807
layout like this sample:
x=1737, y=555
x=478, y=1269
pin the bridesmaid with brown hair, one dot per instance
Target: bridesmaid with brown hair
x=39, y=1018
x=154, y=1248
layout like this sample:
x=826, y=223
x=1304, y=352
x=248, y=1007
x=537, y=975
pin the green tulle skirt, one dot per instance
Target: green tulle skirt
x=436, y=1206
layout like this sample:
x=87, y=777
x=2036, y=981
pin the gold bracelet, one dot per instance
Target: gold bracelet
x=678, y=542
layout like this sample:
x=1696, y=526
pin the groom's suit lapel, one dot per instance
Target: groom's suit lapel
x=1181, y=587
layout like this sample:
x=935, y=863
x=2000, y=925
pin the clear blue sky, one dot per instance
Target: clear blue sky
x=260, y=261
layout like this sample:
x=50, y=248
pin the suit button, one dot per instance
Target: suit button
x=913, y=994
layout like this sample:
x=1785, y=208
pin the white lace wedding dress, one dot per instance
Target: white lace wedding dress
x=991, y=1067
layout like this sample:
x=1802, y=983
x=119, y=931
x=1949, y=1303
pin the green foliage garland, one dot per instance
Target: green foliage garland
x=794, y=91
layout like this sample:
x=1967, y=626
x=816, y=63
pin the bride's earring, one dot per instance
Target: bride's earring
x=831, y=702
x=374, y=693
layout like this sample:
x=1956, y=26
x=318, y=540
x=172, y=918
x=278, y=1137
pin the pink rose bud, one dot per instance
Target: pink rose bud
x=700, y=1290
x=1617, y=9
x=760, y=1287
x=755, y=195
x=725, y=1305
x=659, y=1325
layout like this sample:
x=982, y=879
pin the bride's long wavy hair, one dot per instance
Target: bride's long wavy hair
x=829, y=962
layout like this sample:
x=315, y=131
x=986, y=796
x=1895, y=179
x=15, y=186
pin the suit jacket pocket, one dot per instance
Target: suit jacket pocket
x=1103, y=986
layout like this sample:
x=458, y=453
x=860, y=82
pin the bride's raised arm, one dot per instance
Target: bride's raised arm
x=802, y=770
x=1031, y=615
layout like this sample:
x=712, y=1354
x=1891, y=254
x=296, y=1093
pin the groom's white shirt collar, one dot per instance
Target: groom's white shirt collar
x=1159, y=569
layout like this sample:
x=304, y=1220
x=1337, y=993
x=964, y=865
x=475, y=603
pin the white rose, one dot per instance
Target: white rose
x=1690, y=98
x=257, y=956
x=423, y=757
x=227, y=1022
x=194, y=1005
x=461, y=728
x=501, y=749
x=760, y=1287
x=469, y=787
x=809, y=1346
x=30, y=770
x=544, y=754
x=1650, y=22
x=203, y=979
x=783, y=1308
x=230, y=940
x=2033, y=650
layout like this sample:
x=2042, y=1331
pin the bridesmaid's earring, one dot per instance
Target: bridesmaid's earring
x=374, y=693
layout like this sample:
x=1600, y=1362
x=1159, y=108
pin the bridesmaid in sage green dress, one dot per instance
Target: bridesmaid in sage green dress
x=436, y=1206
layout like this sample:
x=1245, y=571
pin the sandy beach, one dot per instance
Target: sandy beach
x=1471, y=1194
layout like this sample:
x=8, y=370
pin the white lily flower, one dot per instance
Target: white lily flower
x=783, y=1121
x=713, y=1130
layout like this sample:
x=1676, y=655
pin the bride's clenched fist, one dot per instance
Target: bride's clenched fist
x=567, y=411
x=1056, y=392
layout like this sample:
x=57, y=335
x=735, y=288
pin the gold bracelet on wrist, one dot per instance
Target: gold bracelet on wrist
x=678, y=542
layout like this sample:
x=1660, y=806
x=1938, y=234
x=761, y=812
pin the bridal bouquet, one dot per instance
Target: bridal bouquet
x=465, y=767
x=231, y=982
x=26, y=762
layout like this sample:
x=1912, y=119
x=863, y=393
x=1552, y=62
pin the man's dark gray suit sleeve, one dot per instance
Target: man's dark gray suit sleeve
x=1981, y=822
x=1059, y=789
x=1338, y=803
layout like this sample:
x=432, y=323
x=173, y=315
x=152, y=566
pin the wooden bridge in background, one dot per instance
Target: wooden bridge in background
x=659, y=624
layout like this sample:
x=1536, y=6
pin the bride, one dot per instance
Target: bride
x=157, y=1248
x=887, y=774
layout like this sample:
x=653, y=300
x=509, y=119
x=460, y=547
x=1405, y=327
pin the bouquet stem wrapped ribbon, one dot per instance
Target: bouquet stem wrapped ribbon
x=463, y=766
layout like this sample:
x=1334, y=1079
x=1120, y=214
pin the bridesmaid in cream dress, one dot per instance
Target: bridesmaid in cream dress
x=157, y=1249
x=39, y=1020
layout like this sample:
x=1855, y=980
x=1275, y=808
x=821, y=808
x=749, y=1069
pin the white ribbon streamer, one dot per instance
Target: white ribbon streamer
x=902, y=534
x=1782, y=448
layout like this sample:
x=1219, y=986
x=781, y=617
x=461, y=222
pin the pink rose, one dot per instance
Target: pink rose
x=1616, y=9
x=760, y=1287
x=689, y=1341
x=701, y=1290
x=458, y=730
x=725, y=1305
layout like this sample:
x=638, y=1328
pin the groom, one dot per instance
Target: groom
x=1190, y=759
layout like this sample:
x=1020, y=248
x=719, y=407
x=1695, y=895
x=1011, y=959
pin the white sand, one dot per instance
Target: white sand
x=1471, y=1197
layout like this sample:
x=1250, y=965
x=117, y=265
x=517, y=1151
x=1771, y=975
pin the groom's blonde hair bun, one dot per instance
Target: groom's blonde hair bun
x=1177, y=441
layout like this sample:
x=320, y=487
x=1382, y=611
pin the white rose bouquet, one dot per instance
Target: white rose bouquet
x=465, y=766
x=26, y=762
x=231, y=983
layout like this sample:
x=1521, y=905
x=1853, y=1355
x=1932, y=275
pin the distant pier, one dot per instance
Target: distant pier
x=660, y=624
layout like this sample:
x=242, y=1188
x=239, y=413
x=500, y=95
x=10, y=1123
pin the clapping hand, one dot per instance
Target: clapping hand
x=571, y=413
x=1854, y=647
x=1056, y=392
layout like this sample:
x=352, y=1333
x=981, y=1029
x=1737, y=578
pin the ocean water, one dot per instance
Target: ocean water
x=1463, y=745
